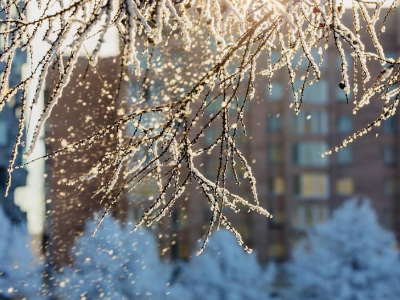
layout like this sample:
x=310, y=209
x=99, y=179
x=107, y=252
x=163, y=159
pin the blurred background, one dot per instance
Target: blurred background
x=335, y=229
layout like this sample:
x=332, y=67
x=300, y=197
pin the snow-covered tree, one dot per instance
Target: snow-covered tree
x=115, y=264
x=350, y=257
x=237, y=35
x=226, y=272
x=20, y=273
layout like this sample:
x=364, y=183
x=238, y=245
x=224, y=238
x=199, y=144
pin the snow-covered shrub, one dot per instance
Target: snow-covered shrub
x=115, y=264
x=20, y=273
x=224, y=271
x=350, y=257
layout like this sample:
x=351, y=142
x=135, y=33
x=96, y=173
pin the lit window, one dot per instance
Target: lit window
x=345, y=155
x=345, y=186
x=391, y=187
x=345, y=124
x=310, y=122
x=276, y=250
x=390, y=125
x=309, y=153
x=390, y=155
x=145, y=189
x=276, y=186
x=311, y=185
x=274, y=123
x=3, y=133
x=278, y=218
x=274, y=154
x=276, y=92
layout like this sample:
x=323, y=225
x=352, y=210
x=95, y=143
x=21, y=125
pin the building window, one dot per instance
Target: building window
x=145, y=189
x=274, y=123
x=276, y=92
x=214, y=106
x=305, y=216
x=320, y=213
x=299, y=217
x=345, y=186
x=309, y=154
x=341, y=94
x=278, y=219
x=316, y=93
x=391, y=187
x=276, y=186
x=274, y=154
x=390, y=155
x=345, y=155
x=390, y=125
x=240, y=138
x=276, y=250
x=212, y=134
x=3, y=133
x=310, y=122
x=311, y=185
x=345, y=124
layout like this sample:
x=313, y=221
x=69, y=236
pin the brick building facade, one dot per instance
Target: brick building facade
x=87, y=104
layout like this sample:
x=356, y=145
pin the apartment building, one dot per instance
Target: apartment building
x=298, y=186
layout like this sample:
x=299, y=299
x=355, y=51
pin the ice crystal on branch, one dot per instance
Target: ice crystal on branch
x=163, y=145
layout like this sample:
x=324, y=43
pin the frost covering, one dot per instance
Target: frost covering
x=115, y=264
x=20, y=273
x=350, y=257
x=226, y=272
